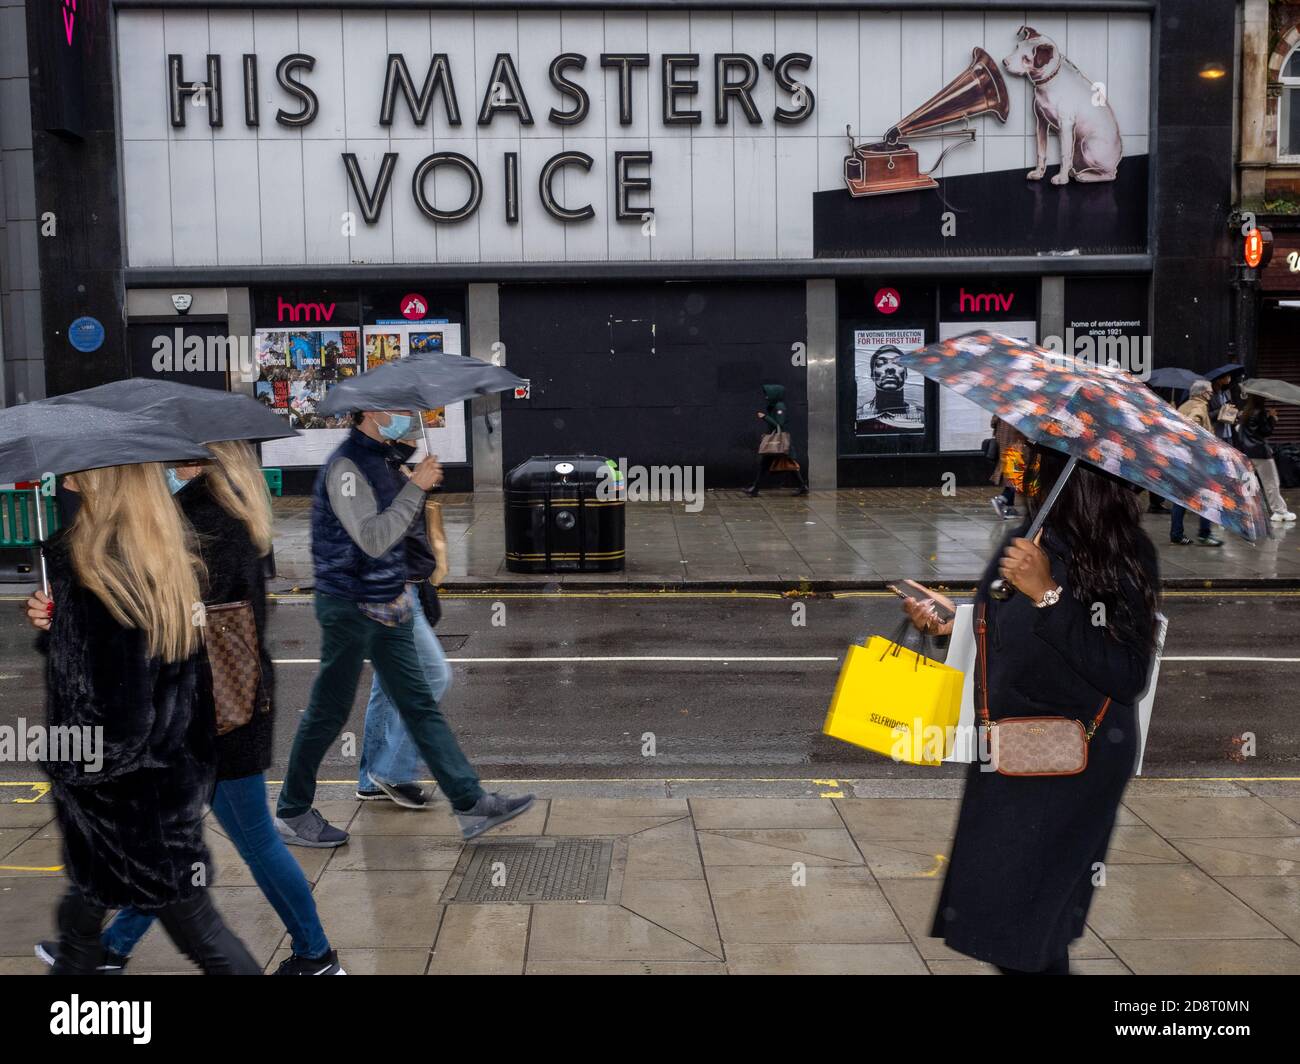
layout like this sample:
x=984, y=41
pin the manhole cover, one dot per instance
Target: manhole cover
x=532, y=870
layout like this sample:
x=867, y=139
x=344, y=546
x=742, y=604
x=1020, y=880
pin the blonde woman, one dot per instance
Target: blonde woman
x=124, y=659
x=229, y=509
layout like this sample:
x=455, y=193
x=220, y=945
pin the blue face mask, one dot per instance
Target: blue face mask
x=399, y=426
x=174, y=482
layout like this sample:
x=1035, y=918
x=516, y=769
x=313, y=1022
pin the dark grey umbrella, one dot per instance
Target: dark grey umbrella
x=421, y=382
x=1278, y=391
x=206, y=415
x=1173, y=377
x=39, y=439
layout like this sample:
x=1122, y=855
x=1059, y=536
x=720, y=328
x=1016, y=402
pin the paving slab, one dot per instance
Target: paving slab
x=1171, y=901
x=832, y=958
x=766, y=905
x=481, y=940
x=1201, y=957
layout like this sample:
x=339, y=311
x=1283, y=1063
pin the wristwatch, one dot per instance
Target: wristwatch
x=1050, y=597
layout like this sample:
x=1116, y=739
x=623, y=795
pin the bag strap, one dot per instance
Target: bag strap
x=982, y=676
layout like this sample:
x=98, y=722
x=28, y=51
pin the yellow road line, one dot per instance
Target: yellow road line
x=821, y=783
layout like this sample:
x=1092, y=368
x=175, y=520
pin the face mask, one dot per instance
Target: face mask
x=174, y=483
x=399, y=425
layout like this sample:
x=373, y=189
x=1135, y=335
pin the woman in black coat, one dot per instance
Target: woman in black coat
x=1029, y=850
x=124, y=670
x=225, y=504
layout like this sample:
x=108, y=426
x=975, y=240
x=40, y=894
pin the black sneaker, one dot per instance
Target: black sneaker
x=1209, y=541
x=327, y=964
x=407, y=795
x=110, y=964
x=1184, y=542
x=375, y=795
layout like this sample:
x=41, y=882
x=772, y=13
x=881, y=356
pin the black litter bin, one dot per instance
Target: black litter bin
x=563, y=514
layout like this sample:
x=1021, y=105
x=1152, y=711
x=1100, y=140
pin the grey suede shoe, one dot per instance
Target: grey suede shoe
x=310, y=829
x=491, y=810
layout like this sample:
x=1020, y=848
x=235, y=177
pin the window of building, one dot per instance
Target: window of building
x=1288, y=111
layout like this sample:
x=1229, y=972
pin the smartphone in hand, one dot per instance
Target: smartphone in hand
x=910, y=589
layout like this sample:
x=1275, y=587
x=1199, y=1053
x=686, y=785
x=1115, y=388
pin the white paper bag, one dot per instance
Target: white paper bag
x=961, y=655
x=1149, y=695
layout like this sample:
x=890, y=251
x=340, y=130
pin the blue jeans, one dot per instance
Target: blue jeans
x=1176, y=524
x=387, y=750
x=240, y=808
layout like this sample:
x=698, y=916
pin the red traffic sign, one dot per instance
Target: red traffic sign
x=1258, y=247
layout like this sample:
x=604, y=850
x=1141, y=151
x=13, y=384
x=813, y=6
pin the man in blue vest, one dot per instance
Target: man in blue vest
x=359, y=520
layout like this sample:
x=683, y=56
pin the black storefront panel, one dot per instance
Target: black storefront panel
x=666, y=374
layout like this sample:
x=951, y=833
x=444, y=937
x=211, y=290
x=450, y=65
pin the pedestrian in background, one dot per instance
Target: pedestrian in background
x=1197, y=411
x=124, y=657
x=1024, y=861
x=776, y=421
x=360, y=520
x=1009, y=472
x=1255, y=425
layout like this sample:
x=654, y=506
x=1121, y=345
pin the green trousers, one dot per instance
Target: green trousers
x=348, y=637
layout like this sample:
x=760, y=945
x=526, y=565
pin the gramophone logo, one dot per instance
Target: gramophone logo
x=891, y=166
x=69, y=18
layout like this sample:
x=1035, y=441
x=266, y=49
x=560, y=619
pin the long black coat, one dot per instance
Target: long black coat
x=132, y=831
x=234, y=574
x=1020, y=878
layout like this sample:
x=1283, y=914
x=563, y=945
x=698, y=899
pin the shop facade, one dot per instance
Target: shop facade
x=647, y=211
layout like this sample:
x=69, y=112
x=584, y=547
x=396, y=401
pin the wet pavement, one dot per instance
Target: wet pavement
x=1200, y=878
x=846, y=538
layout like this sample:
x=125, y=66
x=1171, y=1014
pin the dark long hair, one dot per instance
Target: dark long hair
x=1100, y=523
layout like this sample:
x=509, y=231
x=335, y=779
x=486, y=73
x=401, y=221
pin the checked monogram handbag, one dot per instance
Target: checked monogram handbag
x=1030, y=746
x=235, y=664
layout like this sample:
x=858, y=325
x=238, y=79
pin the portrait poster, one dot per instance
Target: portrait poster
x=890, y=399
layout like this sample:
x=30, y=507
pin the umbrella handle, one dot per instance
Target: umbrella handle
x=1000, y=589
x=40, y=538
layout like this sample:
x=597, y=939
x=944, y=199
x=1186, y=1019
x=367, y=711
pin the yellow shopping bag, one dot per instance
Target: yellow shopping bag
x=896, y=702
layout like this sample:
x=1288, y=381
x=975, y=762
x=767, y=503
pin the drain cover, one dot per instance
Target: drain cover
x=532, y=870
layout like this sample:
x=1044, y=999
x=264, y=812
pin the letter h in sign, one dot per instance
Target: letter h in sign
x=180, y=90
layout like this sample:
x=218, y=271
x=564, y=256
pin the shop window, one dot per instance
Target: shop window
x=1288, y=111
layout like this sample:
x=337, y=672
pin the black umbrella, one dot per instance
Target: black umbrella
x=1174, y=378
x=1228, y=369
x=421, y=382
x=205, y=415
x=38, y=440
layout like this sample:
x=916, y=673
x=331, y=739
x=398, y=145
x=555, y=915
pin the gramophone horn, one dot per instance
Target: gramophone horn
x=977, y=90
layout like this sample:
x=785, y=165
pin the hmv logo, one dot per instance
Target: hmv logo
x=983, y=302
x=302, y=312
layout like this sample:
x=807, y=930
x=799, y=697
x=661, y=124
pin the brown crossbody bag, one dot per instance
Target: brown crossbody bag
x=235, y=664
x=1030, y=746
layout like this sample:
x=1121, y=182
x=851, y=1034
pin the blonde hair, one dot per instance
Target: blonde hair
x=237, y=483
x=132, y=549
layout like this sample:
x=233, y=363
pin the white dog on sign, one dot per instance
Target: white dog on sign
x=1068, y=102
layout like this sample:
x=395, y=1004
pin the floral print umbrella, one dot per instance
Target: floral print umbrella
x=1103, y=416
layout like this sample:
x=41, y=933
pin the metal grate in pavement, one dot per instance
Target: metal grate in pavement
x=534, y=870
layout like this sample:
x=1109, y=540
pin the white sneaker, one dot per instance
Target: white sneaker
x=1280, y=517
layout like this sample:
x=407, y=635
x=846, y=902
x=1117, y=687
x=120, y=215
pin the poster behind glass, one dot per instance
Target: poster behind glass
x=963, y=425
x=297, y=368
x=890, y=399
